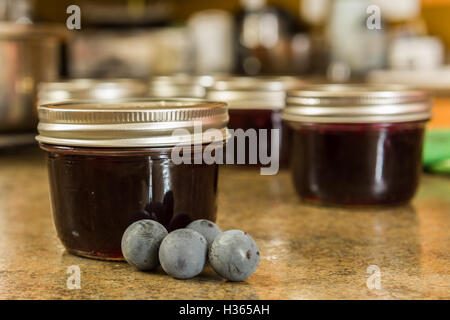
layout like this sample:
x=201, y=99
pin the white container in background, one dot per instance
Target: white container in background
x=212, y=37
x=172, y=52
x=354, y=48
x=431, y=79
x=398, y=10
x=416, y=53
x=315, y=12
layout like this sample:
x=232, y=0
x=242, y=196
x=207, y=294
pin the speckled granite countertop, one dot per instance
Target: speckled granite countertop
x=306, y=252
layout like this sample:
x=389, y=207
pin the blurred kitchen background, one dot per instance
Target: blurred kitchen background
x=316, y=40
x=140, y=38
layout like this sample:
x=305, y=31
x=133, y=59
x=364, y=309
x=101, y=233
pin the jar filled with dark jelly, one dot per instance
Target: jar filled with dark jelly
x=256, y=103
x=357, y=145
x=111, y=164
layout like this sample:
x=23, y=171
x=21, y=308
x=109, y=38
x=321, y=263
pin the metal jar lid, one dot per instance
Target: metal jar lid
x=132, y=123
x=357, y=104
x=90, y=89
x=177, y=86
x=250, y=92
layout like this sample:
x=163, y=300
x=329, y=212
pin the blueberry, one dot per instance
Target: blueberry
x=234, y=255
x=206, y=228
x=140, y=243
x=183, y=253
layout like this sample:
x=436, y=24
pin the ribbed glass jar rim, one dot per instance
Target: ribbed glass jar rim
x=351, y=103
x=252, y=92
x=90, y=89
x=132, y=123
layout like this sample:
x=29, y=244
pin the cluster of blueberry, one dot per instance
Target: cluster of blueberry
x=183, y=253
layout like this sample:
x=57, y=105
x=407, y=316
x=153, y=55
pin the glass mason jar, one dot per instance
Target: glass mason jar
x=111, y=164
x=256, y=103
x=357, y=145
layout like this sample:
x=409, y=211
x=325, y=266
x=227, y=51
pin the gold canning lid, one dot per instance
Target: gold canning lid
x=357, y=104
x=133, y=123
x=253, y=92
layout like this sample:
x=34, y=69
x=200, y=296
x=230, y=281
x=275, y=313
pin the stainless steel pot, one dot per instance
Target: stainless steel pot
x=28, y=54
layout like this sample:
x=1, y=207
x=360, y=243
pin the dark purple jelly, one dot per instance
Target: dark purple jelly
x=97, y=193
x=257, y=103
x=357, y=164
x=261, y=119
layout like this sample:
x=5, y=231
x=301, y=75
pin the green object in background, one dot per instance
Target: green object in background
x=440, y=167
x=436, y=153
